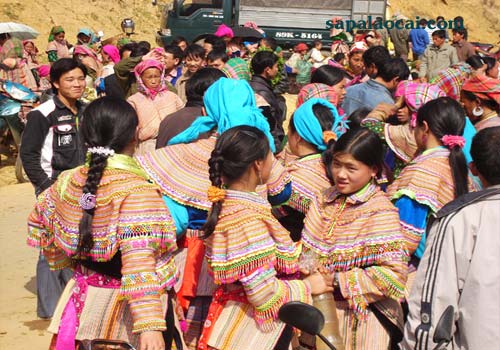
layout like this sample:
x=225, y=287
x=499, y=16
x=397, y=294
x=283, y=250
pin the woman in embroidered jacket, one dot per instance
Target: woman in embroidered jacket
x=106, y=220
x=352, y=231
x=400, y=138
x=435, y=177
x=181, y=171
x=247, y=250
x=314, y=125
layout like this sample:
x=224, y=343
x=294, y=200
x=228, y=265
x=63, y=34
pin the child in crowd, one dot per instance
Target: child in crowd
x=334, y=77
x=217, y=59
x=153, y=102
x=317, y=57
x=265, y=67
x=247, y=249
x=194, y=57
x=108, y=222
x=313, y=126
x=355, y=68
x=58, y=46
x=438, y=56
x=352, y=230
x=435, y=177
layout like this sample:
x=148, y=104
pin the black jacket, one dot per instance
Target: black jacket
x=277, y=112
x=51, y=143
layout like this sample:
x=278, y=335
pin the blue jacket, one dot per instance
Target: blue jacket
x=420, y=40
x=368, y=94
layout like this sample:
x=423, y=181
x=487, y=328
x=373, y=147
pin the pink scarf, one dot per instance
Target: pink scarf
x=140, y=68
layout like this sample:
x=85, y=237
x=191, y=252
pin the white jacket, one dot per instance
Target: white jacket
x=460, y=267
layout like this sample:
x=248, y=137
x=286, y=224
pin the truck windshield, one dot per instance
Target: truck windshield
x=188, y=7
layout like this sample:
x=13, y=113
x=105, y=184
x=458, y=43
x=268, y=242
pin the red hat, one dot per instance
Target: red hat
x=300, y=47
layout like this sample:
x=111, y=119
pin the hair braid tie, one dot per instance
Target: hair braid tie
x=215, y=194
x=451, y=141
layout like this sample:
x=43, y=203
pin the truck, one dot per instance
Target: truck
x=288, y=21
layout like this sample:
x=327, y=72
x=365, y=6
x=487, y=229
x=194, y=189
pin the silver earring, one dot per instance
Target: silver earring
x=477, y=111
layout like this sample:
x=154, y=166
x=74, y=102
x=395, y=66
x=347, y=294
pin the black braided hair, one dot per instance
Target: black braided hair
x=107, y=122
x=445, y=116
x=235, y=151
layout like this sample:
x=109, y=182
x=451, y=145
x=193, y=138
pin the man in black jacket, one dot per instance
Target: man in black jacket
x=265, y=68
x=51, y=144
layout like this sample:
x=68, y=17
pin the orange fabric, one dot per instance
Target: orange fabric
x=218, y=302
x=194, y=258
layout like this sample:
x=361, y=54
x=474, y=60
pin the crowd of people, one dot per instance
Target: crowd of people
x=177, y=208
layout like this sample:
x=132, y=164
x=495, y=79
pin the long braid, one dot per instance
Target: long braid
x=94, y=175
x=215, y=164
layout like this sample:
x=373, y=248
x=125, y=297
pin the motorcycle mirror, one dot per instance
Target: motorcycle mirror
x=303, y=316
x=444, y=327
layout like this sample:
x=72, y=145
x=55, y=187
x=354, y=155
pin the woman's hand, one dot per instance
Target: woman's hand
x=151, y=340
x=320, y=283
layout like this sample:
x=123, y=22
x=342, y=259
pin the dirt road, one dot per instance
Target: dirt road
x=20, y=329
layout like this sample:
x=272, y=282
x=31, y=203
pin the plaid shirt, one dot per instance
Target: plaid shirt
x=450, y=80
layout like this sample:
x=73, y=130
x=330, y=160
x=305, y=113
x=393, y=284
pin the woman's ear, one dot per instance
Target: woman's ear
x=258, y=164
x=203, y=111
x=425, y=127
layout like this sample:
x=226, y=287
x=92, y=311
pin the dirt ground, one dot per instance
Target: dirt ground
x=20, y=328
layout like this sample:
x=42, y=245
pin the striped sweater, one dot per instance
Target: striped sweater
x=250, y=247
x=130, y=217
x=362, y=242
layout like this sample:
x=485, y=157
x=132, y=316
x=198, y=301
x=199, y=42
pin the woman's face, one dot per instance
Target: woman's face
x=420, y=138
x=59, y=37
x=340, y=91
x=469, y=106
x=29, y=47
x=182, y=45
x=105, y=57
x=349, y=174
x=356, y=63
x=151, y=78
x=403, y=114
x=83, y=38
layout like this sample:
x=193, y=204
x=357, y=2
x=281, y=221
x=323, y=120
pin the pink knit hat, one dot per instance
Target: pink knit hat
x=113, y=52
x=44, y=70
x=223, y=30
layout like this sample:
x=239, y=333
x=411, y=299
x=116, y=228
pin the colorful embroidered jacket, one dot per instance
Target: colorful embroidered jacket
x=308, y=180
x=399, y=139
x=130, y=217
x=358, y=236
x=181, y=171
x=422, y=188
x=249, y=246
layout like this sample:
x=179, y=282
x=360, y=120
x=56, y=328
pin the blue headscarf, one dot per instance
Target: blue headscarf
x=308, y=126
x=228, y=103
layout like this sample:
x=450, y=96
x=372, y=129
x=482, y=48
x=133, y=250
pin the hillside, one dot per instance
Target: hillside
x=481, y=16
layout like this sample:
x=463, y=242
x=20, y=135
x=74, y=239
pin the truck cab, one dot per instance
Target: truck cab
x=289, y=22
